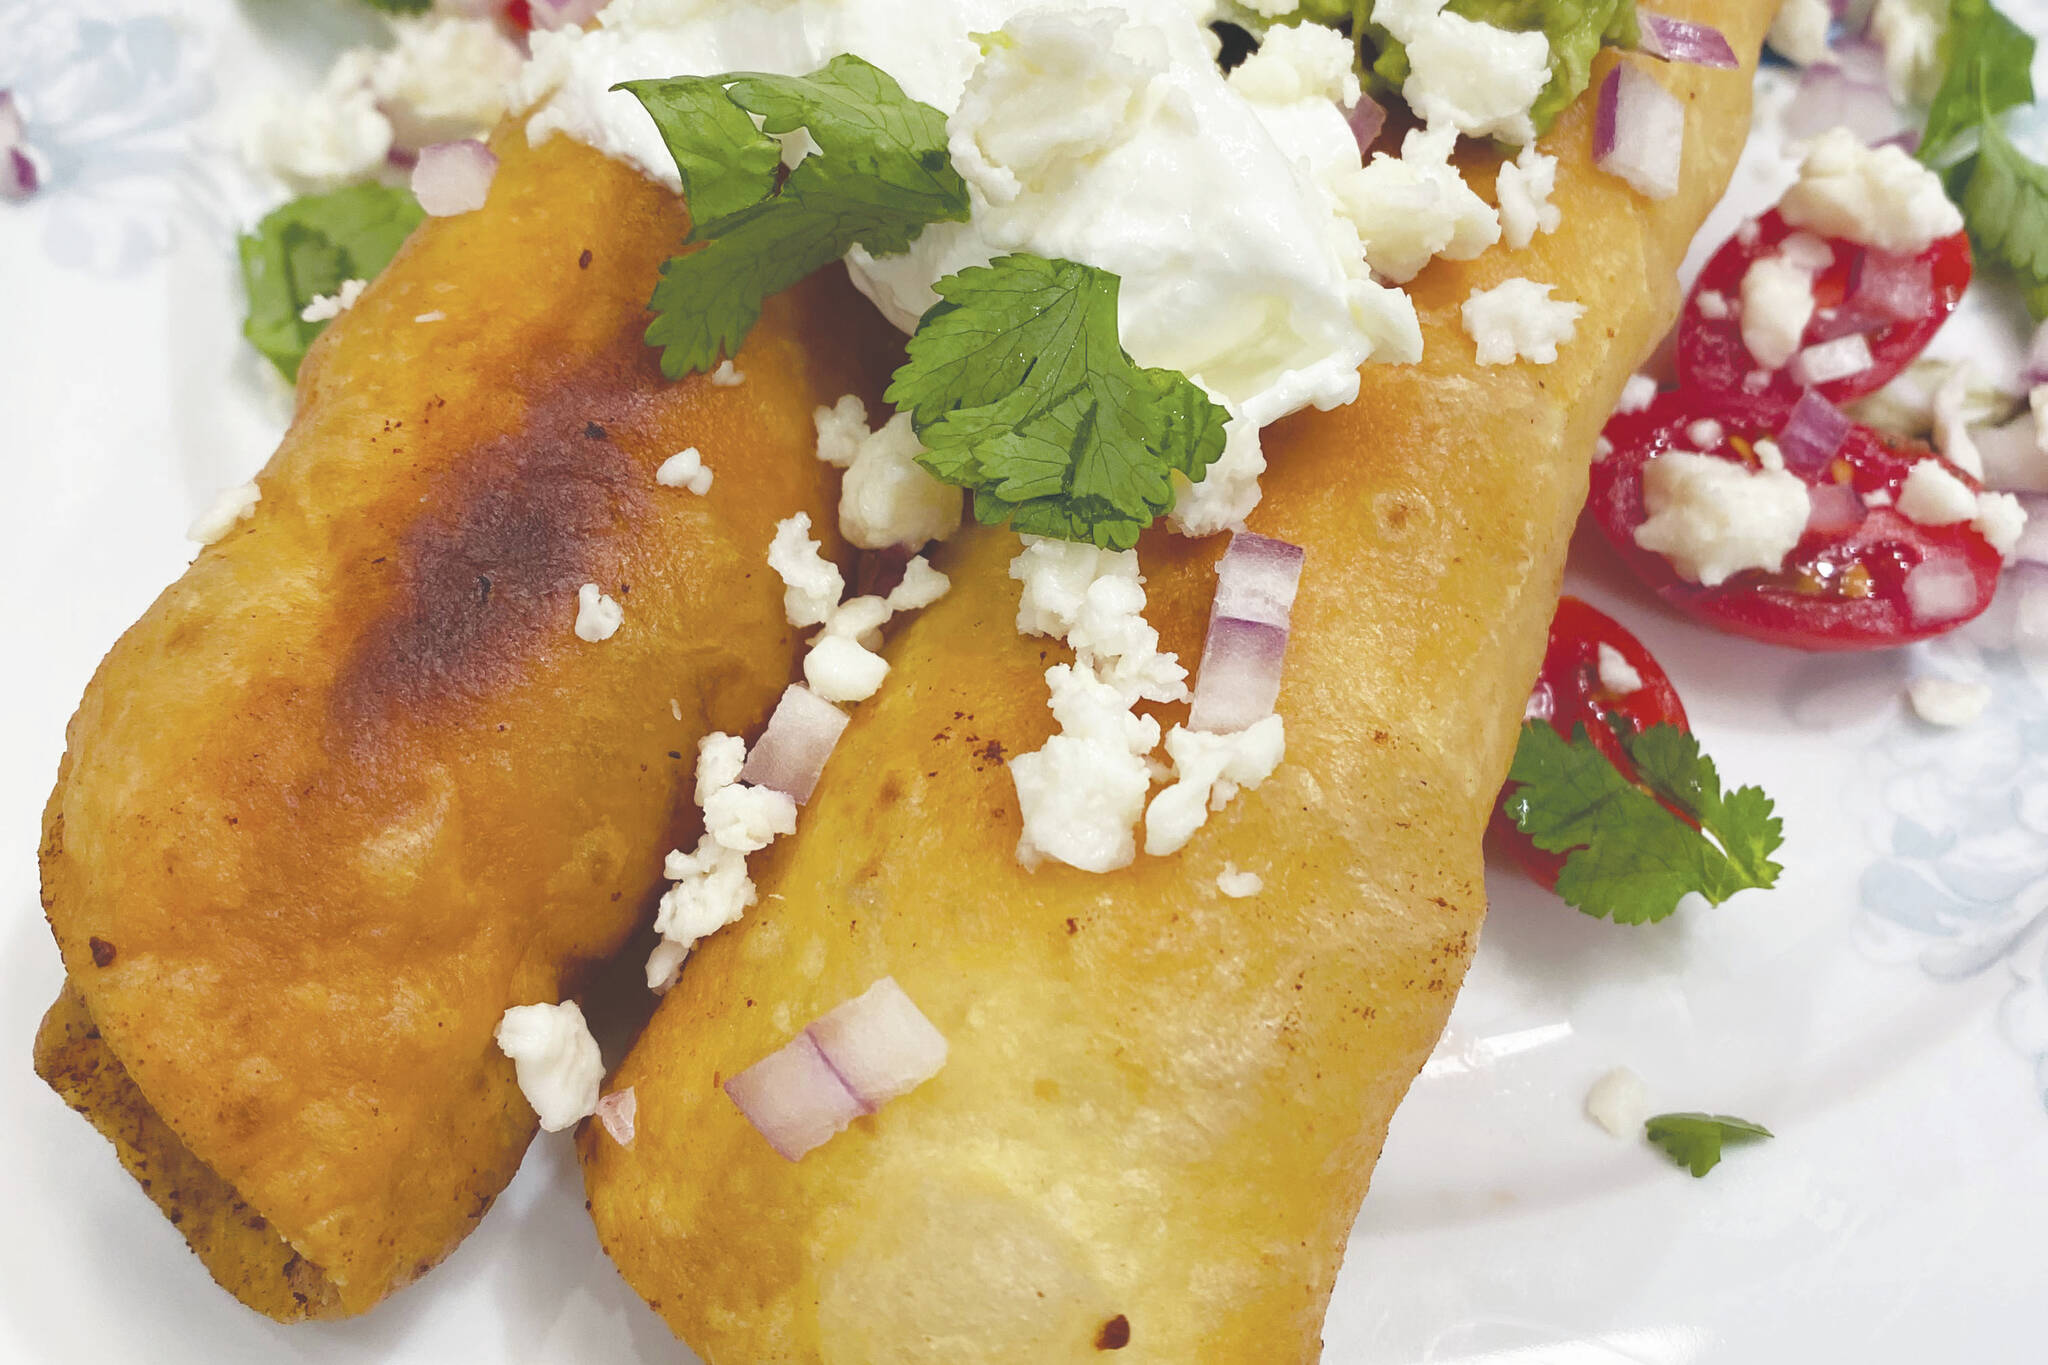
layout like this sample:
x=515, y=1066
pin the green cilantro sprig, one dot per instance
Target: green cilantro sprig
x=1628, y=856
x=879, y=177
x=2005, y=203
x=1987, y=70
x=1694, y=1141
x=1020, y=391
x=400, y=6
x=311, y=246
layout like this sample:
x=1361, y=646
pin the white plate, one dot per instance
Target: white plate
x=1885, y=1010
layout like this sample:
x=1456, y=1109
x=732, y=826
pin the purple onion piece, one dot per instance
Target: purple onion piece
x=1239, y=680
x=1257, y=579
x=21, y=176
x=1366, y=118
x=1832, y=360
x=1677, y=40
x=1836, y=510
x=1639, y=131
x=1831, y=96
x=1812, y=434
x=454, y=177
x=795, y=1098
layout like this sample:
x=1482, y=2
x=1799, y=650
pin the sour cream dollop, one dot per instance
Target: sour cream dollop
x=1102, y=133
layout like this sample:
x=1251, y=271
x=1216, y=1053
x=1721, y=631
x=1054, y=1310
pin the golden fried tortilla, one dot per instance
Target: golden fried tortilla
x=1161, y=1106
x=352, y=786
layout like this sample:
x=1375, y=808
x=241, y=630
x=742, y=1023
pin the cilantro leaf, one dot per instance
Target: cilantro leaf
x=1021, y=391
x=311, y=246
x=400, y=6
x=727, y=164
x=1988, y=62
x=1694, y=1141
x=1628, y=856
x=2005, y=204
x=879, y=177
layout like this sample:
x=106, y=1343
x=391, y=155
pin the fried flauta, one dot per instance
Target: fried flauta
x=1161, y=1106
x=355, y=784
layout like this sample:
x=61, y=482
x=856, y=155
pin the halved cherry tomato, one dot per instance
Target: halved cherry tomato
x=1711, y=353
x=1569, y=693
x=1843, y=586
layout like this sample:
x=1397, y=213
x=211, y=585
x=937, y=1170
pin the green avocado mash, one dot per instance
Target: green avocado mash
x=1577, y=29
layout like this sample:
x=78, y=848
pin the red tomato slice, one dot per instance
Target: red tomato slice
x=1897, y=302
x=1843, y=586
x=1569, y=693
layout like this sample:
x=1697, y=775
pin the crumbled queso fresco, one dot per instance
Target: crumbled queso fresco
x=233, y=505
x=685, y=469
x=555, y=1059
x=1712, y=518
x=598, y=616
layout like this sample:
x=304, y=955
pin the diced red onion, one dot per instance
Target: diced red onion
x=1834, y=95
x=1940, y=590
x=2011, y=455
x=794, y=1097
x=1240, y=678
x=616, y=1112
x=1639, y=131
x=1812, y=433
x=1676, y=40
x=1257, y=578
x=1883, y=289
x=790, y=755
x=454, y=177
x=1832, y=360
x=1861, y=58
x=22, y=176
x=11, y=124
x=852, y=1060
x=1366, y=118
x=563, y=13
x=880, y=1043
x=1836, y=510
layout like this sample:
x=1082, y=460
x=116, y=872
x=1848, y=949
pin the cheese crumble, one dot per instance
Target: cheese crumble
x=324, y=307
x=1518, y=320
x=1948, y=702
x=1713, y=518
x=1617, y=674
x=1619, y=1102
x=1209, y=770
x=685, y=469
x=1523, y=189
x=886, y=498
x=555, y=1059
x=598, y=616
x=1238, y=885
x=812, y=584
x=232, y=505
x=1874, y=196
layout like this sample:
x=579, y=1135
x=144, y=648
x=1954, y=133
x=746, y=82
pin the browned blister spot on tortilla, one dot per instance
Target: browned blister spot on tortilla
x=487, y=578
